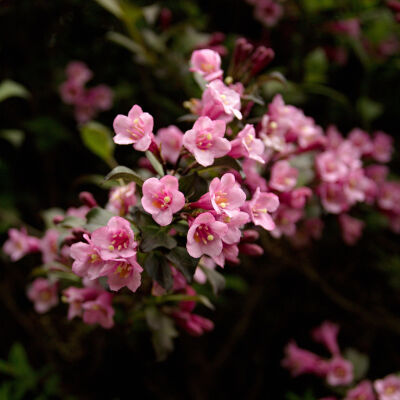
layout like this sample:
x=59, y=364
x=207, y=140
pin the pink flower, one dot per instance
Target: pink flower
x=229, y=253
x=205, y=236
x=170, y=140
x=71, y=92
x=253, y=177
x=333, y=197
x=115, y=240
x=283, y=176
x=205, y=140
x=20, y=244
x=234, y=223
x=327, y=335
x=361, y=140
x=382, y=147
x=340, y=372
x=199, y=275
x=388, y=388
x=123, y=272
x=297, y=198
x=351, y=228
x=78, y=72
x=220, y=102
x=377, y=173
x=136, y=128
x=285, y=220
x=363, y=391
x=330, y=167
x=87, y=259
x=349, y=27
x=43, y=293
x=193, y=324
x=299, y=361
x=162, y=198
x=49, y=246
x=122, y=198
x=207, y=63
x=247, y=145
x=259, y=208
x=75, y=297
x=99, y=311
x=389, y=196
x=101, y=97
x=269, y=12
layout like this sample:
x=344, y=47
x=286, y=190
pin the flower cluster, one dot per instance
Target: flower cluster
x=337, y=371
x=87, y=102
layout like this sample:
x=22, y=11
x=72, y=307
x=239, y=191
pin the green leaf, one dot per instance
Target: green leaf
x=217, y=281
x=224, y=163
x=360, y=362
x=98, y=139
x=126, y=42
x=154, y=237
x=159, y=270
x=163, y=332
x=369, y=109
x=96, y=218
x=14, y=136
x=72, y=222
x=126, y=174
x=183, y=262
x=155, y=163
x=111, y=6
x=316, y=66
x=9, y=88
x=200, y=81
x=193, y=186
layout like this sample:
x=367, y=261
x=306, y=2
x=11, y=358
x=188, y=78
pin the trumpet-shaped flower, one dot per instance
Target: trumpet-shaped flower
x=247, y=145
x=99, y=311
x=207, y=63
x=170, y=141
x=260, y=207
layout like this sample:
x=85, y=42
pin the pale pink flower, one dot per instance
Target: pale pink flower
x=356, y=185
x=234, y=223
x=246, y=144
x=333, y=197
x=382, y=147
x=253, y=177
x=327, y=334
x=99, y=311
x=349, y=154
x=122, y=198
x=101, y=97
x=123, y=272
x=170, y=140
x=361, y=140
x=230, y=252
x=136, y=128
x=78, y=72
x=334, y=137
x=260, y=207
x=220, y=102
x=389, y=196
x=388, y=388
x=206, y=140
x=49, y=246
x=330, y=167
x=268, y=12
x=115, y=240
x=285, y=220
x=207, y=63
x=297, y=198
x=199, y=276
x=162, y=198
x=363, y=391
x=283, y=176
x=351, y=228
x=205, y=236
x=340, y=372
x=309, y=134
x=75, y=297
x=20, y=244
x=43, y=294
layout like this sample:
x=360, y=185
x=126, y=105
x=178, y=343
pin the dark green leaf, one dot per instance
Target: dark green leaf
x=157, y=267
x=216, y=280
x=97, y=217
x=224, y=163
x=193, y=186
x=155, y=163
x=183, y=262
x=154, y=237
x=126, y=174
x=72, y=222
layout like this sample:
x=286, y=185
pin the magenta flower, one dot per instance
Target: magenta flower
x=259, y=208
x=123, y=272
x=207, y=63
x=136, y=128
x=234, y=223
x=330, y=167
x=162, y=198
x=388, y=388
x=327, y=335
x=382, y=147
x=283, y=176
x=351, y=228
x=75, y=297
x=115, y=240
x=170, y=141
x=43, y=293
x=71, y=92
x=340, y=372
x=363, y=391
x=333, y=197
x=220, y=102
x=99, y=311
x=49, y=246
x=205, y=236
x=20, y=244
x=377, y=173
x=206, y=140
x=122, y=198
x=247, y=145
x=268, y=12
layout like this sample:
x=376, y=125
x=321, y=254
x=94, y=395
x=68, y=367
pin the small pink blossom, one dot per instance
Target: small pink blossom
x=268, y=12
x=101, y=97
x=75, y=297
x=285, y=220
x=206, y=140
x=259, y=208
x=283, y=176
x=207, y=63
x=20, y=244
x=330, y=167
x=363, y=391
x=193, y=324
x=234, y=223
x=247, y=145
x=297, y=198
x=99, y=311
x=122, y=198
x=43, y=293
x=136, y=128
x=356, y=185
x=340, y=372
x=170, y=140
x=377, y=173
x=333, y=197
x=115, y=240
x=205, y=236
x=220, y=102
x=230, y=253
x=162, y=198
x=71, y=92
x=389, y=196
x=351, y=228
x=253, y=177
x=382, y=147
x=78, y=72
x=388, y=388
x=199, y=275
x=49, y=246
x=350, y=27
x=327, y=335
x=361, y=140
